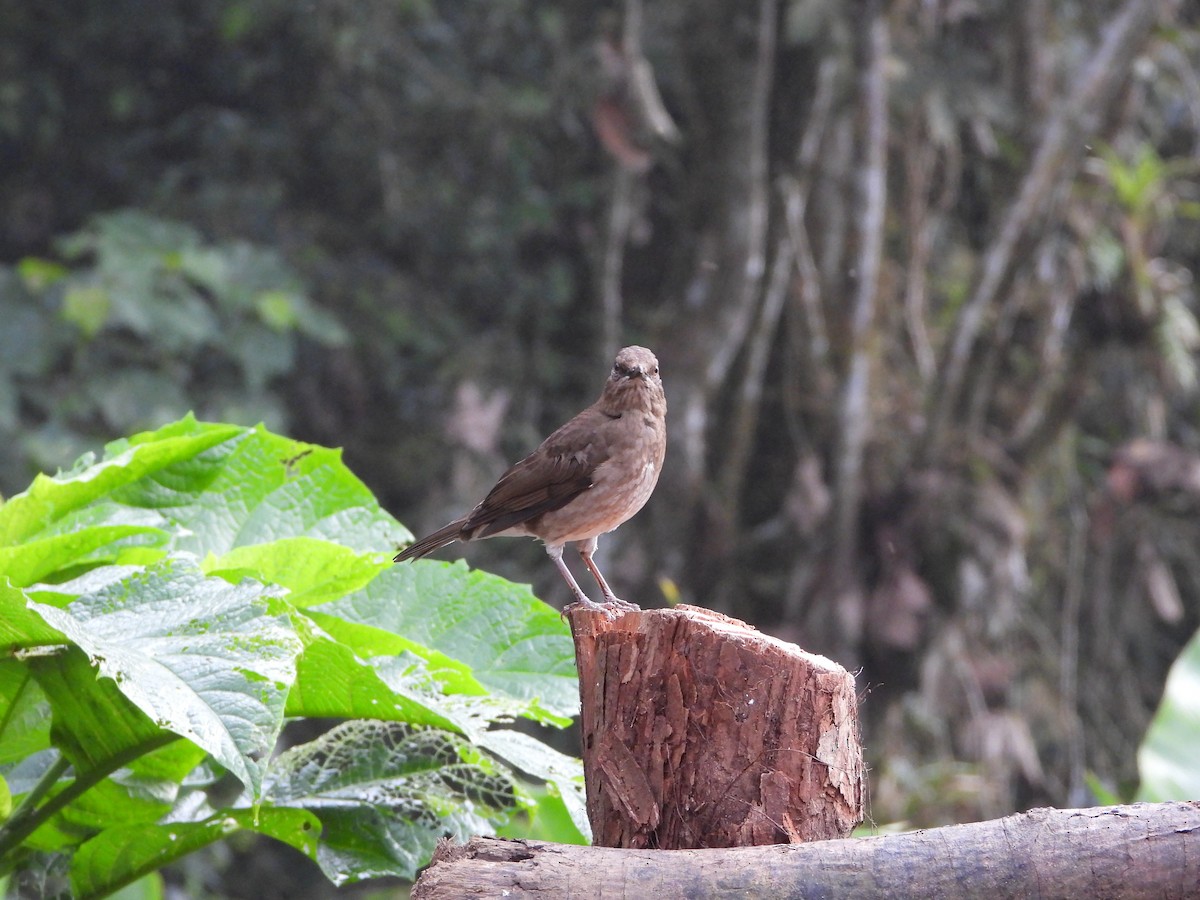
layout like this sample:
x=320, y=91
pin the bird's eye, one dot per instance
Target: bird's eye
x=654, y=371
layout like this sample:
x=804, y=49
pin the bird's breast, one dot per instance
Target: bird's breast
x=621, y=485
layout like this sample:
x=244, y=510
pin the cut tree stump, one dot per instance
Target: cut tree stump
x=699, y=731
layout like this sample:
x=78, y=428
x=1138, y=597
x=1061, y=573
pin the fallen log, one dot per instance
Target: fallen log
x=1109, y=853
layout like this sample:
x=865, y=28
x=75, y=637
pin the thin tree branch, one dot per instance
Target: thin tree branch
x=1055, y=161
x=1061, y=294
x=853, y=413
x=796, y=193
x=749, y=401
x=757, y=202
x=1069, y=652
x=620, y=217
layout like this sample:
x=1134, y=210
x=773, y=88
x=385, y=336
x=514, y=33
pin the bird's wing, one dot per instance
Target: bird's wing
x=547, y=479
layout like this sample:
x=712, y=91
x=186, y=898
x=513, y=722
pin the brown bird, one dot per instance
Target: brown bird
x=584, y=480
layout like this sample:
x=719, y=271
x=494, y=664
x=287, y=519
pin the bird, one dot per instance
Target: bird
x=586, y=479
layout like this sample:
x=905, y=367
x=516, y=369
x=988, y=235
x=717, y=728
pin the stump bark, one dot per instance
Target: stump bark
x=699, y=731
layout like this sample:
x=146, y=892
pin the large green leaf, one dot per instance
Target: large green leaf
x=95, y=727
x=369, y=642
x=548, y=820
x=476, y=717
x=564, y=774
x=95, y=534
x=386, y=793
x=94, y=724
x=51, y=497
x=207, y=660
x=1167, y=757
x=313, y=570
x=122, y=854
x=123, y=641
x=333, y=682
x=142, y=792
x=24, y=714
x=514, y=644
x=258, y=487
x=21, y=628
x=232, y=486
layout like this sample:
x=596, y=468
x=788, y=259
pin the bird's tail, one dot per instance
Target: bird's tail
x=440, y=538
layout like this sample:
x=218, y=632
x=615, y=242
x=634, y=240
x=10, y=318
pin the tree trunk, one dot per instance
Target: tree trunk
x=1114, y=852
x=699, y=731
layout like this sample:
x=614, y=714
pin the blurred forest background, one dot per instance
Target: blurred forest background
x=919, y=274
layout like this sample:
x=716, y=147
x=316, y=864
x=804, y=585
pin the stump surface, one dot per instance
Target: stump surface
x=699, y=731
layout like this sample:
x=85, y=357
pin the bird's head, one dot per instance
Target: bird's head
x=635, y=381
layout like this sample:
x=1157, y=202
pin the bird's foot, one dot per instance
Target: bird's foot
x=623, y=605
x=612, y=607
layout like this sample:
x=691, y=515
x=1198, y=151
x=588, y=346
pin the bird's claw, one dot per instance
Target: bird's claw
x=612, y=607
x=623, y=605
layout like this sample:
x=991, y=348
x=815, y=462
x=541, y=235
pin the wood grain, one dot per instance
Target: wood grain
x=699, y=731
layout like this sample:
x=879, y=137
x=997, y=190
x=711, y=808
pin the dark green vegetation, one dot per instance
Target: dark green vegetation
x=919, y=275
x=220, y=580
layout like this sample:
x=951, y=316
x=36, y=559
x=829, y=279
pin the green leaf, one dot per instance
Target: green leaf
x=513, y=643
x=332, y=682
x=401, y=688
x=79, y=544
x=109, y=803
x=140, y=793
x=1167, y=757
x=5, y=801
x=20, y=628
x=233, y=487
x=38, y=274
x=124, y=641
x=314, y=571
x=257, y=487
x=548, y=820
x=148, y=887
x=564, y=774
x=386, y=793
x=24, y=713
x=87, y=307
x=122, y=854
x=367, y=641
x=277, y=309
x=97, y=728
x=209, y=661
x=174, y=763
x=50, y=498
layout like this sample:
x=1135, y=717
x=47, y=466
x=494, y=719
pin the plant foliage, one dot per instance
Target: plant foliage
x=1167, y=757
x=166, y=608
x=137, y=319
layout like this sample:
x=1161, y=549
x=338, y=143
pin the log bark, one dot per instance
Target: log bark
x=699, y=731
x=1114, y=852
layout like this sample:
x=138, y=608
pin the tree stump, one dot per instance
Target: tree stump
x=699, y=731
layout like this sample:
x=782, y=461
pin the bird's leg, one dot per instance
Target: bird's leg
x=586, y=549
x=555, y=553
